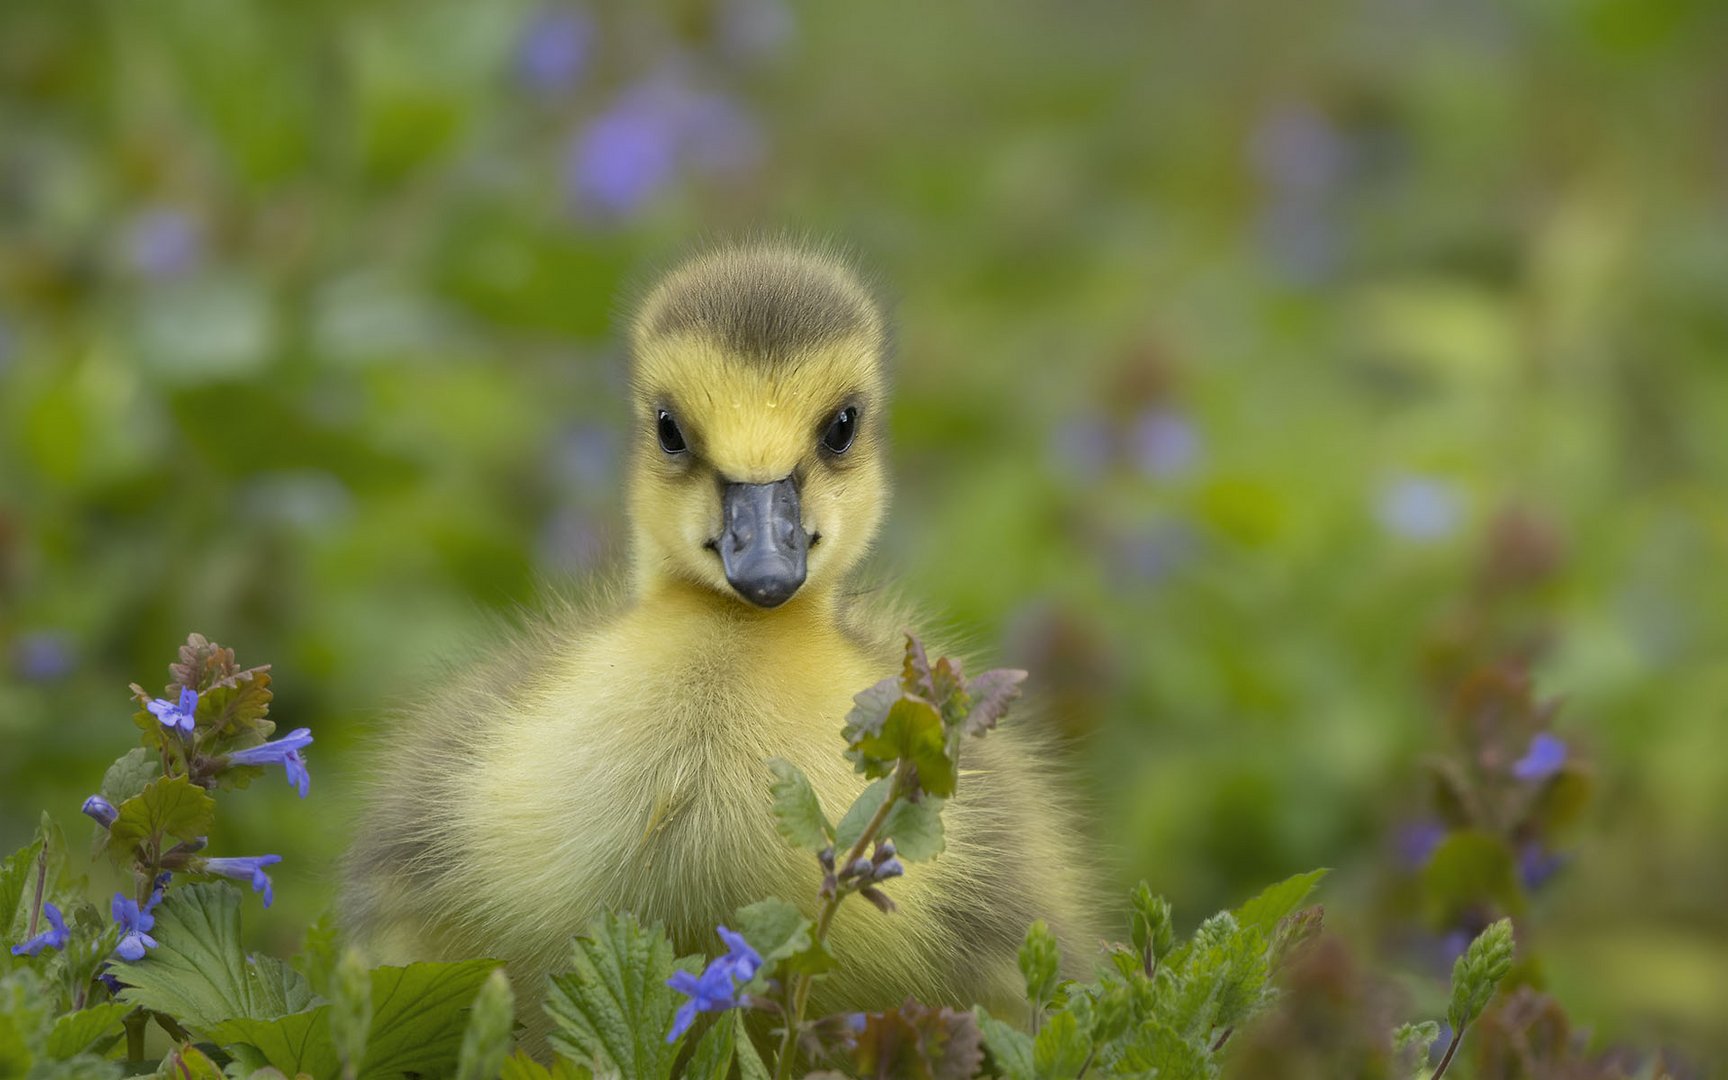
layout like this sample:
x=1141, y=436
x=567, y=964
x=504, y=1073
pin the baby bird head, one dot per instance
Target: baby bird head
x=758, y=436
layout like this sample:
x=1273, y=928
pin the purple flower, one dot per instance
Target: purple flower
x=624, y=157
x=176, y=716
x=1544, y=758
x=135, y=925
x=45, y=656
x=1417, y=841
x=101, y=811
x=1082, y=446
x=715, y=990
x=1536, y=865
x=1418, y=508
x=1164, y=443
x=284, y=752
x=163, y=243
x=55, y=937
x=249, y=868
x=553, y=50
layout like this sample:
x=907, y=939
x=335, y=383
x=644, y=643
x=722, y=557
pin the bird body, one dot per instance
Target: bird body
x=612, y=756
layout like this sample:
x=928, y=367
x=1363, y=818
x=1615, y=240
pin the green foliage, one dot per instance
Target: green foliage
x=612, y=1009
x=350, y=1014
x=797, y=813
x=1411, y=1045
x=168, y=807
x=1039, y=966
x=200, y=973
x=486, y=1042
x=36, y=1044
x=785, y=939
x=1477, y=973
x=919, y=1043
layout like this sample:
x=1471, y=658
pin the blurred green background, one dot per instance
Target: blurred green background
x=1243, y=348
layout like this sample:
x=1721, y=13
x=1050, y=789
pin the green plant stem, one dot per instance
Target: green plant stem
x=135, y=1022
x=41, y=887
x=800, y=988
x=1452, y=1049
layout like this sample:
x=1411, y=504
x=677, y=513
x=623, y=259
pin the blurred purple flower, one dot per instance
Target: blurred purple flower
x=1152, y=554
x=100, y=810
x=1418, y=508
x=55, y=937
x=163, y=243
x=634, y=149
x=1298, y=151
x=1082, y=446
x=587, y=457
x=1417, y=841
x=284, y=752
x=44, y=656
x=553, y=50
x=754, y=29
x=250, y=868
x=1546, y=756
x=1537, y=865
x=1164, y=443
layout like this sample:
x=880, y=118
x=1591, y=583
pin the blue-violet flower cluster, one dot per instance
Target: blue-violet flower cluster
x=716, y=989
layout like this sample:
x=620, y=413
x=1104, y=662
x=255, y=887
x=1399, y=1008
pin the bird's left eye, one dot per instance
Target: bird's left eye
x=838, y=437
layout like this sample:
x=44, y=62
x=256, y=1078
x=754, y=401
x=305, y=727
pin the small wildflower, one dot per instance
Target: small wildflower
x=174, y=715
x=101, y=811
x=135, y=926
x=284, y=752
x=1537, y=865
x=860, y=867
x=890, y=868
x=249, y=868
x=553, y=51
x=1164, y=443
x=716, y=989
x=55, y=937
x=163, y=243
x=1417, y=841
x=1544, y=758
x=857, y=1021
x=45, y=656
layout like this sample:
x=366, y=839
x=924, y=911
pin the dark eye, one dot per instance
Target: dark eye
x=839, y=435
x=671, y=439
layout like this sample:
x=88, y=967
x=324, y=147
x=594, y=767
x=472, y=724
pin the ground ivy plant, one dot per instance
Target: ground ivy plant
x=162, y=984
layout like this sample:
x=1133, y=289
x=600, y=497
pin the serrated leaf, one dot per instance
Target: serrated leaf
x=1477, y=974
x=1159, y=1050
x=1060, y=1049
x=15, y=873
x=77, y=1032
x=169, y=806
x=130, y=773
x=783, y=936
x=1411, y=1045
x=712, y=1059
x=916, y=828
x=991, y=693
x=913, y=730
x=191, y=1063
x=519, y=1066
x=417, y=1024
x=1010, y=1048
x=231, y=716
x=858, y=815
x=199, y=973
x=869, y=712
x=915, y=674
x=613, y=1008
x=797, y=812
x=919, y=1043
x=1275, y=902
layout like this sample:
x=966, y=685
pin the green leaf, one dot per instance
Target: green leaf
x=915, y=674
x=490, y=1021
x=130, y=774
x=1010, y=1048
x=712, y=1059
x=417, y=1024
x=320, y=951
x=919, y=1042
x=199, y=973
x=191, y=1063
x=613, y=1008
x=1478, y=972
x=15, y=898
x=797, y=812
x=1277, y=901
x=750, y=1063
x=783, y=935
x=1040, y=963
x=1161, y=1051
x=519, y=1066
x=168, y=806
x=991, y=694
x=350, y=1015
x=1470, y=868
x=916, y=828
x=858, y=815
x=231, y=716
x=1060, y=1049
x=77, y=1032
x=869, y=713
x=1411, y=1045
x=1151, y=926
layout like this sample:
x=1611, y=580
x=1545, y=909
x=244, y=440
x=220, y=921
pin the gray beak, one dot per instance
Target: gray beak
x=763, y=545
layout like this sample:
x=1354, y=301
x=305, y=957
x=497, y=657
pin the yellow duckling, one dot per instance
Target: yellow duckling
x=612, y=757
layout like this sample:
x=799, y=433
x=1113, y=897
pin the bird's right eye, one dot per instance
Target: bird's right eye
x=671, y=439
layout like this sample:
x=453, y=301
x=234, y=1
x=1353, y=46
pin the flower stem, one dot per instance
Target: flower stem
x=1451, y=1049
x=799, y=989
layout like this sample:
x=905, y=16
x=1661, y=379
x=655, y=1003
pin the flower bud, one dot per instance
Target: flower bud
x=101, y=811
x=859, y=868
x=888, y=869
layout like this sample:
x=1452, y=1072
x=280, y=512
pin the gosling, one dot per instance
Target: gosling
x=612, y=755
